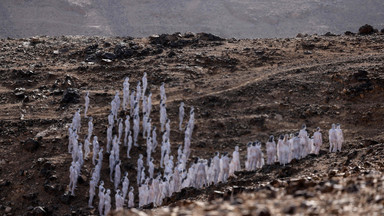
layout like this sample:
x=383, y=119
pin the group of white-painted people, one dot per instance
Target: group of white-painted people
x=295, y=146
x=154, y=188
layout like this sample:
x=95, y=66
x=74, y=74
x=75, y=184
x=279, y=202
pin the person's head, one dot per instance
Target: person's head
x=318, y=129
x=304, y=126
x=237, y=148
x=286, y=137
x=271, y=138
x=209, y=161
x=333, y=126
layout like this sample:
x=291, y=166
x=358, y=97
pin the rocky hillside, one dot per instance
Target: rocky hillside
x=227, y=18
x=242, y=90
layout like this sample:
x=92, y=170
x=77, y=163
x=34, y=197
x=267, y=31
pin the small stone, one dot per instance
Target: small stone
x=39, y=210
x=31, y=145
x=66, y=198
x=264, y=212
x=8, y=209
x=82, y=179
x=290, y=209
x=307, y=52
x=109, y=56
x=70, y=95
x=19, y=92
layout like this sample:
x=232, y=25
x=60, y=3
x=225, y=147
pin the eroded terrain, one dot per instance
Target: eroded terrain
x=242, y=90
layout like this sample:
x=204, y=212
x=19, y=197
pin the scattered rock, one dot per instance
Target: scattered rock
x=290, y=209
x=329, y=34
x=66, y=198
x=8, y=209
x=91, y=49
x=19, y=92
x=39, y=211
x=30, y=196
x=31, y=145
x=82, y=179
x=70, y=95
x=171, y=54
x=123, y=52
x=264, y=212
x=109, y=56
x=209, y=37
x=349, y=33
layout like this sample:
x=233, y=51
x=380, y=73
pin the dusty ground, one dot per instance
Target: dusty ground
x=242, y=90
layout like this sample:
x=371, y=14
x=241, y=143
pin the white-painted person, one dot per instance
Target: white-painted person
x=181, y=116
x=117, y=174
x=129, y=144
x=131, y=198
x=127, y=129
x=340, y=137
x=107, y=202
x=125, y=185
x=317, y=140
x=119, y=200
x=101, y=198
x=145, y=84
x=140, y=167
x=271, y=150
x=332, y=139
x=120, y=131
x=125, y=93
x=90, y=127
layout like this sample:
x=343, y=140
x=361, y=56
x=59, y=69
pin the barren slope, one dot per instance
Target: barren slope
x=242, y=90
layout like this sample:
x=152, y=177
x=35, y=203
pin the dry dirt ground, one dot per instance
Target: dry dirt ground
x=242, y=90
